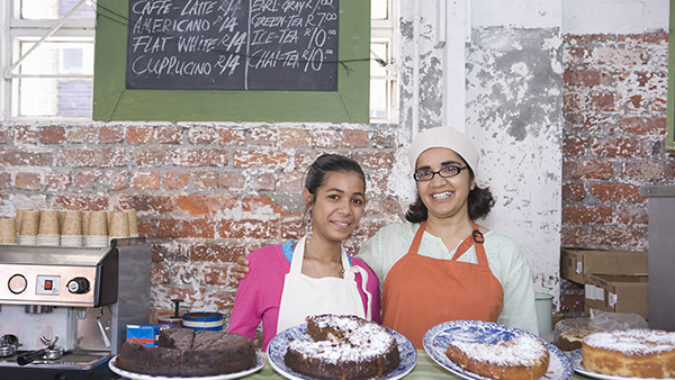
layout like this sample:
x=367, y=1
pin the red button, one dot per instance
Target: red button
x=48, y=284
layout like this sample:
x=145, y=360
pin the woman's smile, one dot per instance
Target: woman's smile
x=341, y=225
x=442, y=195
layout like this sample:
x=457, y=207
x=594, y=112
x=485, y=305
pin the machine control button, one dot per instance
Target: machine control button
x=48, y=285
x=78, y=285
x=17, y=283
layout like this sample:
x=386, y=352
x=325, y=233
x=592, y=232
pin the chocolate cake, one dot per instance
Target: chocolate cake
x=184, y=352
x=343, y=347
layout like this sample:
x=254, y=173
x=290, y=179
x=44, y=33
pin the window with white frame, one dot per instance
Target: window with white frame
x=383, y=73
x=47, y=59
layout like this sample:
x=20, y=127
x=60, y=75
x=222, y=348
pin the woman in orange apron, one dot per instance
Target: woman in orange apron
x=438, y=267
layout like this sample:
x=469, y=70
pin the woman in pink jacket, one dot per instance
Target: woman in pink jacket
x=314, y=275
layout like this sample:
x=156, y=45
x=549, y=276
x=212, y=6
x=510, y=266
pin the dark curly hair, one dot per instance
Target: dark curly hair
x=480, y=202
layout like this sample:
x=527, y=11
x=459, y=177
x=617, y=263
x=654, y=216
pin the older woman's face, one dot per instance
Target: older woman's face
x=444, y=197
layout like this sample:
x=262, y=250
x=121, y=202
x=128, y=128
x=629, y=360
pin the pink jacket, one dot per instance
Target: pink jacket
x=259, y=294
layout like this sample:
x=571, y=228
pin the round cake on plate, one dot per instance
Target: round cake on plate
x=523, y=357
x=343, y=347
x=631, y=353
x=185, y=352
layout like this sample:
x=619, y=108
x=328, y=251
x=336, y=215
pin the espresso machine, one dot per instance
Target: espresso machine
x=64, y=310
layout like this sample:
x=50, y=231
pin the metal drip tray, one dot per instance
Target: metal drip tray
x=72, y=359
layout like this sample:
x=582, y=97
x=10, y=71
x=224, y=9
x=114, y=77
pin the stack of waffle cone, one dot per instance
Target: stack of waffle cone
x=7, y=230
x=97, y=229
x=119, y=225
x=71, y=229
x=28, y=229
x=48, y=228
x=133, y=222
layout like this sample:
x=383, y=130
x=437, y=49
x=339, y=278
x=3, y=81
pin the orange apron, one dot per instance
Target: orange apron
x=420, y=292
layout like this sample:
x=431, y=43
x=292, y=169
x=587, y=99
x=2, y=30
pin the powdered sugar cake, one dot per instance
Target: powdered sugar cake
x=523, y=357
x=632, y=353
x=343, y=347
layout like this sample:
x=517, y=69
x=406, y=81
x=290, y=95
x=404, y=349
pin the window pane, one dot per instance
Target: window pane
x=55, y=9
x=379, y=10
x=378, y=98
x=36, y=97
x=41, y=97
x=378, y=51
x=74, y=98
x=58, y=58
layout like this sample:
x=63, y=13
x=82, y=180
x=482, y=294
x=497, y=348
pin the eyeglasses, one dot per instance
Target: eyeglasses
x=446, y=172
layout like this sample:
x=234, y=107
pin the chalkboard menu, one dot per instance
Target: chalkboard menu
x=289, y=45
x=232, y=60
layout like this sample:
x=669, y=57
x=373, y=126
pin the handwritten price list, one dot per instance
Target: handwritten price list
x=288, y=45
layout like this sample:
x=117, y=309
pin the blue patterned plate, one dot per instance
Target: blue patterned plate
x=578, y=364
x=436, y=340
x=279, y=344
x=260, y=361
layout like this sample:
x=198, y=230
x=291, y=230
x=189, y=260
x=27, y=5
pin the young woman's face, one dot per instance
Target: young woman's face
x=444, y=197
x=338, y=205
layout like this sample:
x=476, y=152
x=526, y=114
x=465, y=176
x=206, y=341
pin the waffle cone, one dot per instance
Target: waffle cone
x=72, y=223
x=98, y=223
x=133, y=222
x=7, y=230
x=29, y=223
x=49, y=222
x=119, y=224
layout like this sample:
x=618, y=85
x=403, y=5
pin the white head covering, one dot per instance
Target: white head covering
x=444, y=137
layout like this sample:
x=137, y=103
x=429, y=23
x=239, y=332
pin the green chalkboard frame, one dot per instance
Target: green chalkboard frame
x=670, y=123
x=350, y=103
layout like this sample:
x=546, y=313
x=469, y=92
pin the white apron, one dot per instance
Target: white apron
x=305, y=296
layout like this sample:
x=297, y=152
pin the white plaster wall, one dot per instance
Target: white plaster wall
x=614, y=16
x=516, y=13
x=514, y=116
x=514, y=46
x=578, y=16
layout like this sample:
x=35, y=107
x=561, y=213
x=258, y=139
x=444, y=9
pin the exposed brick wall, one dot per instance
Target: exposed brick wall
x=205, y=193
x=614, y=101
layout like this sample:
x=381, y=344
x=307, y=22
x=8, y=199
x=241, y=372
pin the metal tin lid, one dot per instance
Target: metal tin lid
x=203, y=316
x=203, y=320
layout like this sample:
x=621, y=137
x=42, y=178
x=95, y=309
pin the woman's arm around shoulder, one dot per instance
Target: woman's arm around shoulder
x=248, y=308
x=377, y=250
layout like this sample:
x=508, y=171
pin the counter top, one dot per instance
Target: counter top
x=425, y=369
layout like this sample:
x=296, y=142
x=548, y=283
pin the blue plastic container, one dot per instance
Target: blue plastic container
x=203, y=320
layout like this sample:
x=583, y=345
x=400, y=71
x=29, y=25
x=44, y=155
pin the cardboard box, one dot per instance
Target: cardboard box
x=577, y=265
x=621, y=294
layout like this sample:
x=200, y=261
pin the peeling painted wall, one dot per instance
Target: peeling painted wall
x=514, y=85
x=513, y=90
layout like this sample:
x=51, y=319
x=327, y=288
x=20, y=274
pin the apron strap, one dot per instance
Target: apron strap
x=414, y=247
x=298, y=256
x=476, y=238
